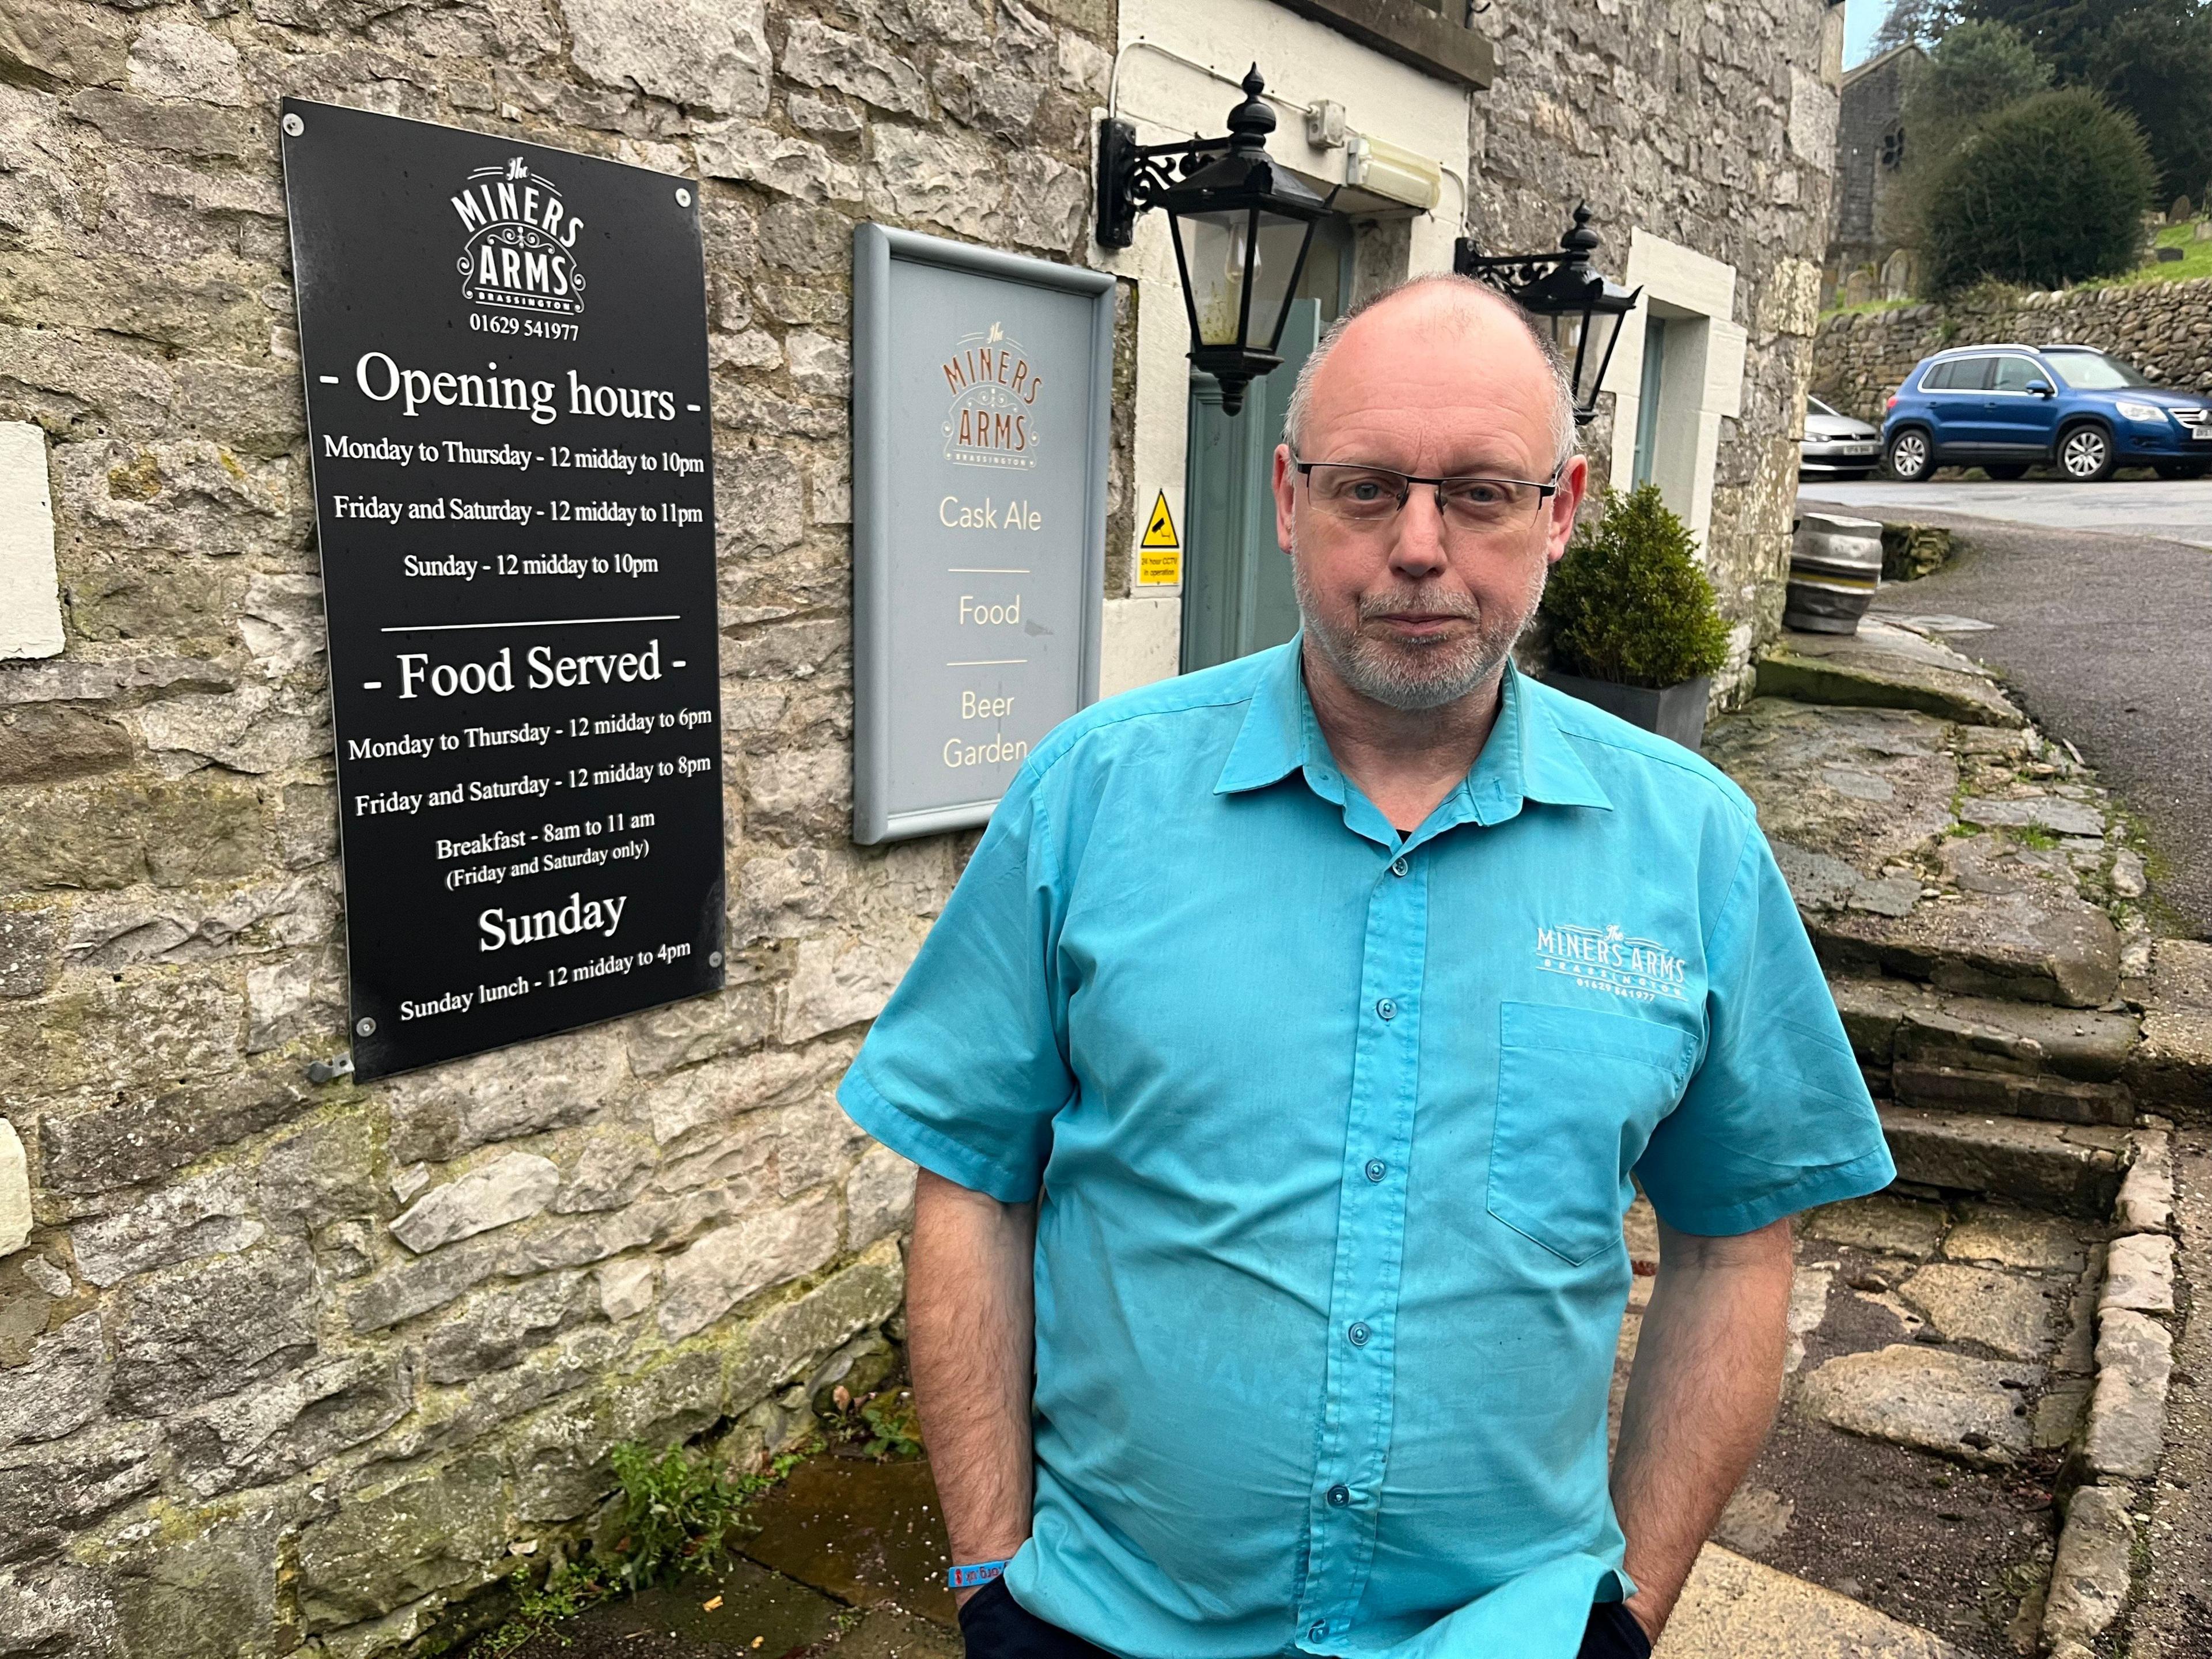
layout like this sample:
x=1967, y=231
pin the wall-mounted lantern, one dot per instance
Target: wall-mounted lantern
x=1581, y=307
x=1241, y=223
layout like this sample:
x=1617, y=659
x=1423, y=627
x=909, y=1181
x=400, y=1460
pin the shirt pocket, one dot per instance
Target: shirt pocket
x=1578, y=1094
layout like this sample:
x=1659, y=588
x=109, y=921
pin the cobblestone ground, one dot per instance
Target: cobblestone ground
x=1939, y=1360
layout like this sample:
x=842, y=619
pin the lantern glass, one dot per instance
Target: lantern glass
x=1227, y=251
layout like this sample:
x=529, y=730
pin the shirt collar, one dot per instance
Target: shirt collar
x=1527, y=757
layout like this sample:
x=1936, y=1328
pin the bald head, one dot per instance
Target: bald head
x=1443, y=321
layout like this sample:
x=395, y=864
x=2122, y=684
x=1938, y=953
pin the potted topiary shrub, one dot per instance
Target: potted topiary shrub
x=1634, y=629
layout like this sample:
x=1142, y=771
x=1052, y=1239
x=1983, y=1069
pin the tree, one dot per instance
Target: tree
x=2151, y=58
x=1974, y=70
x=1915, y=23
x=2047, y=192
x=2159, y=69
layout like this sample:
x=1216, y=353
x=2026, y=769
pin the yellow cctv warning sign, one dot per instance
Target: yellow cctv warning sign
x=1160, y=560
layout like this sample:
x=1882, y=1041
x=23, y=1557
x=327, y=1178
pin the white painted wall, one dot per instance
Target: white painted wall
x=30, y=598
x=1303, y=62
x=1701, y=381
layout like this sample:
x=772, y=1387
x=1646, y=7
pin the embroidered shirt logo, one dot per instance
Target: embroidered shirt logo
x=1607, y=959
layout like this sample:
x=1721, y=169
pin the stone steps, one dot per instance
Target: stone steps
x=1735, y=1608
x=2073, y=1169
x=1924, y=1048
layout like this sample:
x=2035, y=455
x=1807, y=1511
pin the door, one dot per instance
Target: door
x=2020, y=422
x=1237, y=596
x=1957, y=398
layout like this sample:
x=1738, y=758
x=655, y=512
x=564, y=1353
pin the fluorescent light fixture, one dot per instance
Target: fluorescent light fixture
x=1383, y=169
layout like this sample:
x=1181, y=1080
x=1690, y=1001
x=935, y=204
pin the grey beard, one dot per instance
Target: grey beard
x=1416, y=676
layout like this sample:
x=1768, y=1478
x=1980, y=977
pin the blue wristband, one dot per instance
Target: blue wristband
x=982, y=1572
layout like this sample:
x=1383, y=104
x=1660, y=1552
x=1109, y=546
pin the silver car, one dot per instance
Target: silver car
x=1836, y=445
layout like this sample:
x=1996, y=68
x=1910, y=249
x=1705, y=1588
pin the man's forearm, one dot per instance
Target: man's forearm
x=970, y=1323
x=1701, y=1398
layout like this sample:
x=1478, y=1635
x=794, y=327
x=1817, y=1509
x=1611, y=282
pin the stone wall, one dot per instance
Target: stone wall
x=1870, y=122
x=2164, y=328
x=1714, y=129
x=286, y=1364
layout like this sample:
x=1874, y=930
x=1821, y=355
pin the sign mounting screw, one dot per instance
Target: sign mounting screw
x=683, y=196
x=713, y=959
x=294, y=126
x=366, y=1026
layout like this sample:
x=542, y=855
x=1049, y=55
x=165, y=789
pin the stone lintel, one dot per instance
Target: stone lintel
x=1411, y=34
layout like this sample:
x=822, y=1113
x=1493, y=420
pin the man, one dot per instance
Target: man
x=1278, y=1070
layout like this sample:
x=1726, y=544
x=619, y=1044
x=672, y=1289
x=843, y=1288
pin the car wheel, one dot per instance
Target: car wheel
x=1911, y=459
x=2085, y=453
x=2006, y=471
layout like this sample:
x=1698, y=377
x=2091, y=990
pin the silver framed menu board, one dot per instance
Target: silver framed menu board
x=982, y=392
x=505, y=353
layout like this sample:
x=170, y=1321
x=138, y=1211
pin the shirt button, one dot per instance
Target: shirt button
x=1339, y=1497
x=1358, y=1333
x=1316, y=1631
x=1397, y=866
x=1376, y=1169
x=1387, y=1008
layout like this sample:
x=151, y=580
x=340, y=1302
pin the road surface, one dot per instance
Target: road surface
x=2177, y=512
x=2107, y=640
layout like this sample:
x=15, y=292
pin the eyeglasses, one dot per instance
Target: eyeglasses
x=1364, y=497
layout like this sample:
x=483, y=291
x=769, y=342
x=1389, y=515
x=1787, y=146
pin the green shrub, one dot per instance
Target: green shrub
x=1628, y=604
x=676, y=1515
x=2048, y=191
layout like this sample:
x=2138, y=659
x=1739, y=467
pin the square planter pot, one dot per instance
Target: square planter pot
x=1673, y=711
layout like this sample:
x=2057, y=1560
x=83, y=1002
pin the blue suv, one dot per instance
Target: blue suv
x=2005, y=408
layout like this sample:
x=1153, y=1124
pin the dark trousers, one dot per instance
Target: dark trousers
x=996, y=1627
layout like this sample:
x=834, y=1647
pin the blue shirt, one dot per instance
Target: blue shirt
x=1334, y=1130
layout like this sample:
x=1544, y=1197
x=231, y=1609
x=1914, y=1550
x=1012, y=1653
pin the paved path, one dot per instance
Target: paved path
x=2108, y=640
x=2181, y=512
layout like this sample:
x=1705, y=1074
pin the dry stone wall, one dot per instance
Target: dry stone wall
x=2164, y=329
x=287, y=1364
x=1711, y=127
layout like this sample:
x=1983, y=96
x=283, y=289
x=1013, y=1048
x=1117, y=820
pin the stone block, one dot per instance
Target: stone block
x=2139, y=1274
x=1884, y=667
x=30, y=599
x=2008, y=1237
x=2025, y=1039
x=1952, y=1089
x=2089, y=1579
x=15, y=1191
x=561, y=1463
x=202, y=1329
x=1894, y=1226
x=710, y=56
x=738, y=1016
x=1928, y=1398
x=323, y=1173
x=2055, y=814
x=445, y=1110
x=290, y=1424
x=62, y=1387
x=1873, y=1009
x=44, y=744
x=500, y=1324
x=2074, y=1170
x=210, y=1589
x=2017, y=928
x=2171, y=1070
x=172, y=58
x=2126, y=1426
x=427, y=1534
x=761, y=155
x=2001, y=1311
x=841, y=982
x=49, y=1492
x=626, y=1287
x=2146, y=1201
x=506, y=1190
x=28, y=940
x=137, y=1134
x=788, y=1341
x=878, y=1198
x=208, y=1214
x=823, y=56
x=755, y=1252
x=717, y=1092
